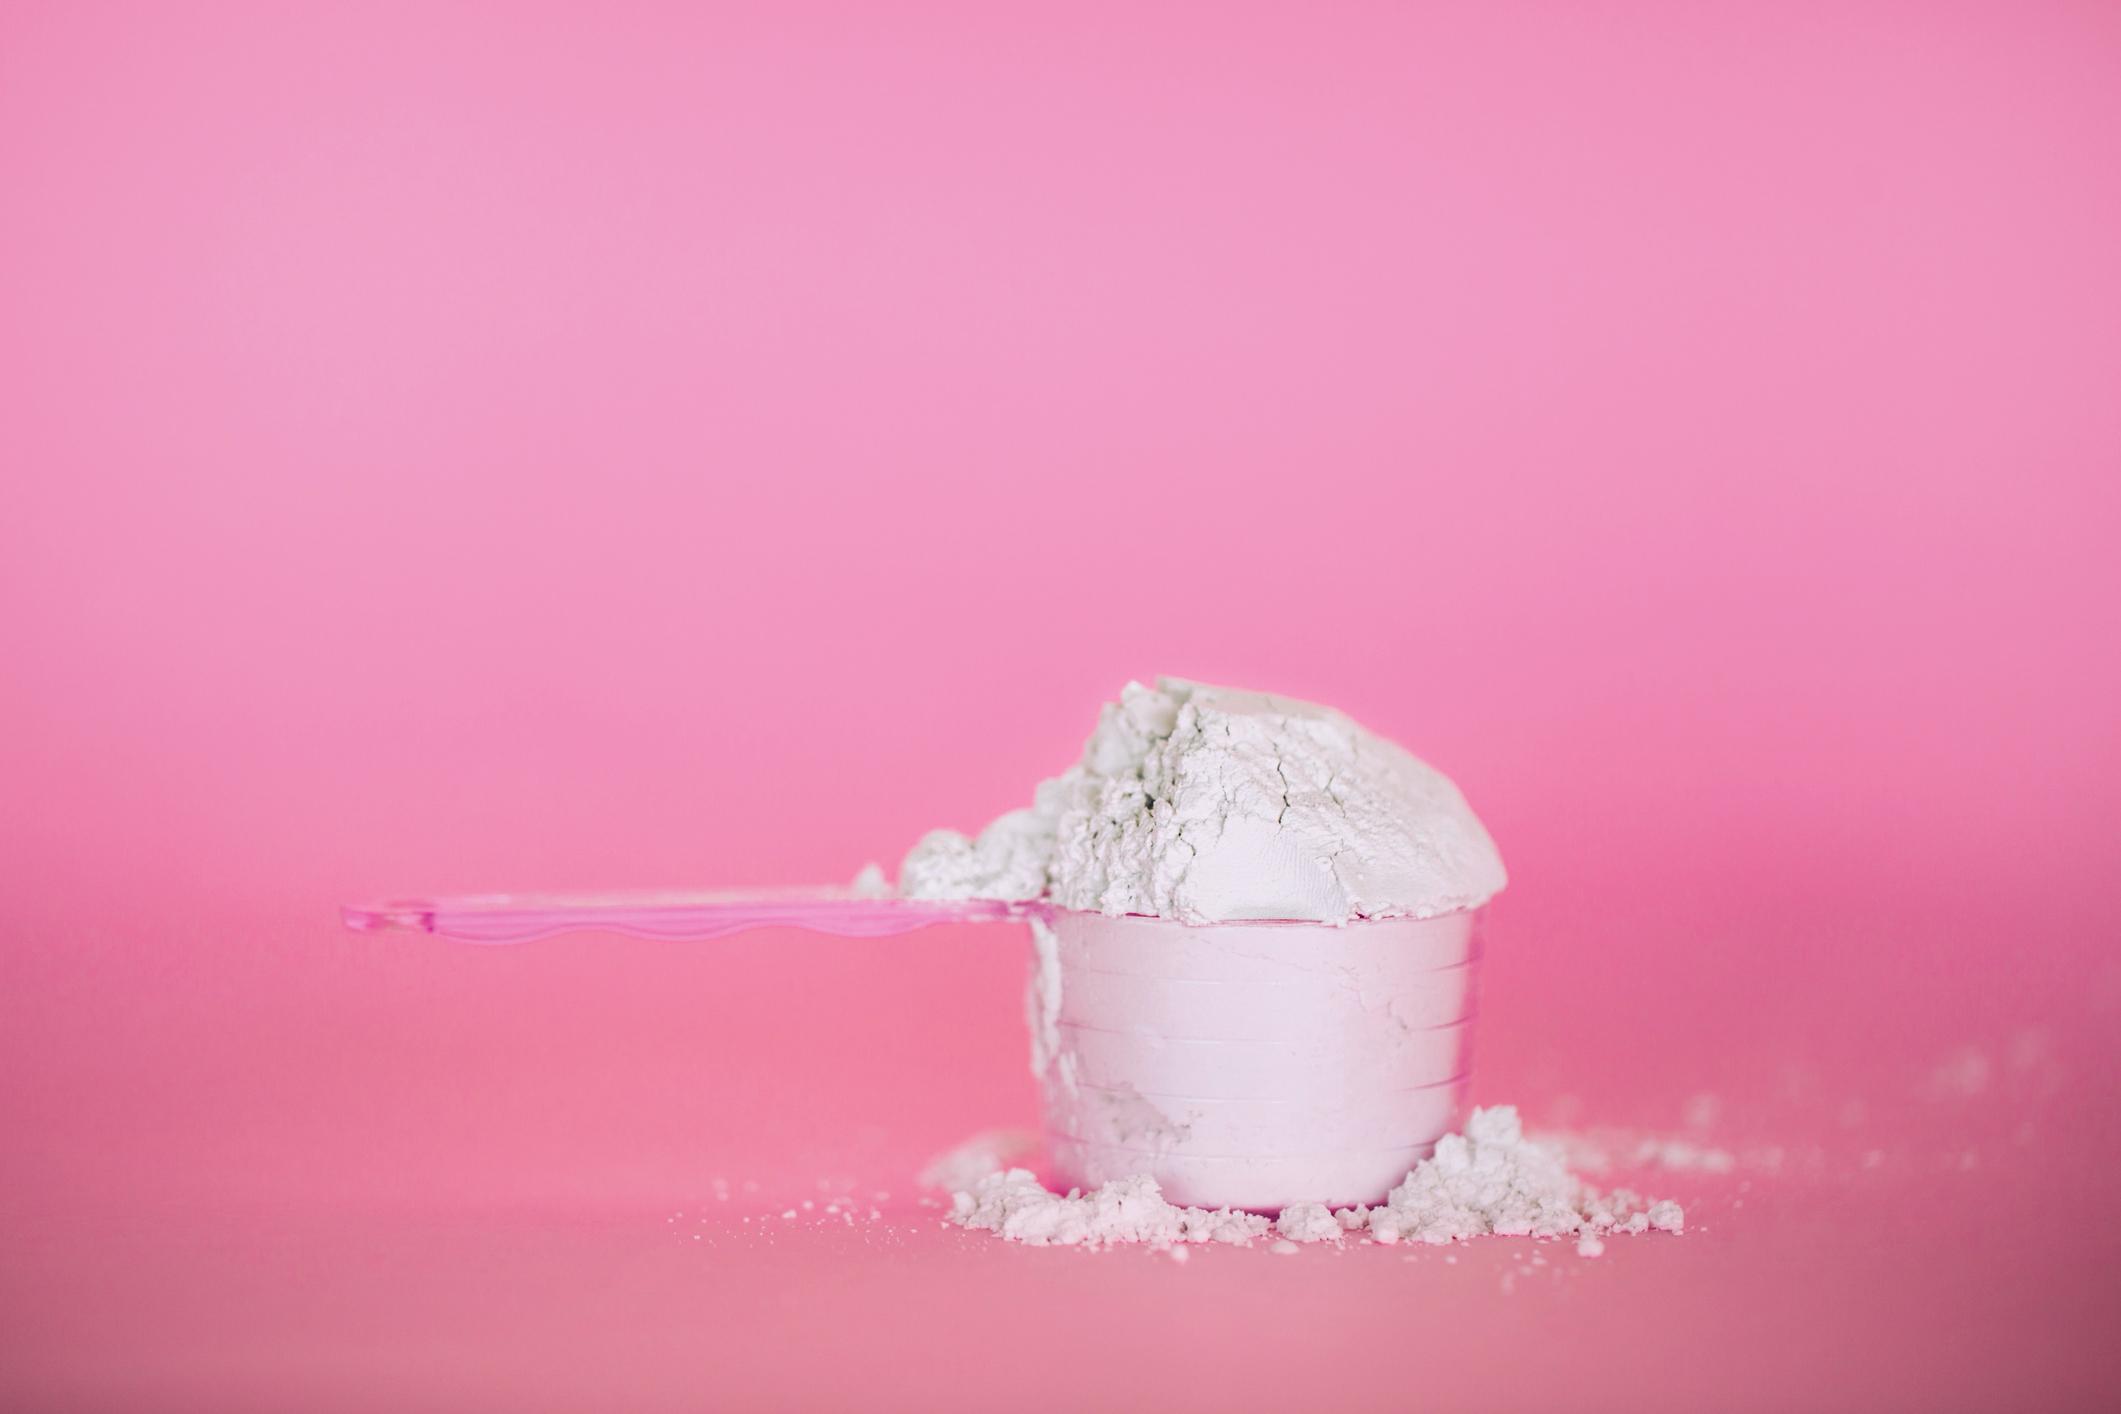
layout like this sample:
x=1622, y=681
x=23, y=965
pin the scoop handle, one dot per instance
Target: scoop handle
x=670, y=917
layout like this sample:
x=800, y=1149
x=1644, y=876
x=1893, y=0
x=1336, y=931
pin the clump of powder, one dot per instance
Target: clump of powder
x=1309, y=1222
x=1213, y=804
x=1489, y=1181
x=1126, y=1210
x=870, y=882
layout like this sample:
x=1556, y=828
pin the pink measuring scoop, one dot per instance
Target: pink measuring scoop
x=673, y=916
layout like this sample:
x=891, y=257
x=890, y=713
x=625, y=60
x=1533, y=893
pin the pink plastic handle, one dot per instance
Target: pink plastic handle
x=671, y=917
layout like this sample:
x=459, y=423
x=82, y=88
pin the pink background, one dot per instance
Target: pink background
x=459, y=448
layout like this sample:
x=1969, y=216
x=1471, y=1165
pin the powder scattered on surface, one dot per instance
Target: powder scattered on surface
x=1489, y=1181
x=1126, y=1210
x=1212, y=804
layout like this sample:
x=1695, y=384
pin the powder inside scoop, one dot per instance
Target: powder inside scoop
x=1213, y=804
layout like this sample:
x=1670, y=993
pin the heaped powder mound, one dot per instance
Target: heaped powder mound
x=1212, y=804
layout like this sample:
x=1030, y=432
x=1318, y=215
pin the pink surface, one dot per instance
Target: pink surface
x=451, y=449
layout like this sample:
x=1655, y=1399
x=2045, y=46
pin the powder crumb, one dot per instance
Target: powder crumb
x=1285, y=1248
x=1179, y=1254
x=1589, y=1245
x=871, y=882
x=1308, y=1222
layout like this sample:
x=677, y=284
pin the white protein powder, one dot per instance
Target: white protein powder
x=1490, y=1180
x=1125, y=1210
x=1211, y=804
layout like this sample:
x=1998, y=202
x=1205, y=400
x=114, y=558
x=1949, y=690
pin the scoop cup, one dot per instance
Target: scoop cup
x=1251, y=1065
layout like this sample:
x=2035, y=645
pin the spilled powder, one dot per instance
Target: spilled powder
x=1490, y=1180
x=1015, y=1205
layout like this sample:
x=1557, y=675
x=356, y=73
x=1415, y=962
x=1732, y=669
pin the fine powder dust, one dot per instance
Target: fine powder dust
x=1490, y=1180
